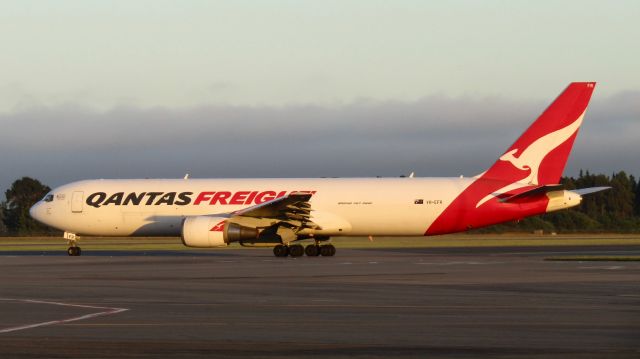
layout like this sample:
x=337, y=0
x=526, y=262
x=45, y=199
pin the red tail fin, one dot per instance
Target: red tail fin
x=540, y=154
x=536, y=159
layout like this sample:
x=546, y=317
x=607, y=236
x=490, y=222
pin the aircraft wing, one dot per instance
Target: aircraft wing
x=293, y=208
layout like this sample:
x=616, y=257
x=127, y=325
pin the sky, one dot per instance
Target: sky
x=135, y=89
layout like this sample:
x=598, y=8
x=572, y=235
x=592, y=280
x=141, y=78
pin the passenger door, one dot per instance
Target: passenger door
x=77, y=201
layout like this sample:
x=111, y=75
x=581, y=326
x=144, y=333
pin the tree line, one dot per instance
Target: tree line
x=14, y=211
x=614, y=210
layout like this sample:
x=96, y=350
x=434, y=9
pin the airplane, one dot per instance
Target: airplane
x=280, y=213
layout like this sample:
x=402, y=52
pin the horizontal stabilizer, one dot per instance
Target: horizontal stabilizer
x=540, y=190
x=583, y=191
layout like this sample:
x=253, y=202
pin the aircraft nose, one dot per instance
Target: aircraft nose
x=37, y=212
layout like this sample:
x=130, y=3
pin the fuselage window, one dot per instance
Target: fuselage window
x=48, y=198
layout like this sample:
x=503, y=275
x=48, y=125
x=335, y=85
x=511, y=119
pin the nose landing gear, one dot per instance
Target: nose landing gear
x=73, y=249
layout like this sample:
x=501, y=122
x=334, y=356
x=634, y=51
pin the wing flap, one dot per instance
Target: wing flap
x=293, y=208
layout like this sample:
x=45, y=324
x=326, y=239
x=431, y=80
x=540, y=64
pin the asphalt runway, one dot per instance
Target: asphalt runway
x=450, y=303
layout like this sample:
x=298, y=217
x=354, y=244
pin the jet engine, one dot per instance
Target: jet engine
x=210, y=231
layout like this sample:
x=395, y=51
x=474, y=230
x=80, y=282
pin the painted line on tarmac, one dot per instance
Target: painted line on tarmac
x=576, y=251
x=161, y=324
x=458, y=263
x=106, y=311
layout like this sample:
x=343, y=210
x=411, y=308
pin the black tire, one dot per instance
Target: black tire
x=327, y=250
x=280, y=250
x=78, y=251
x=296, y=250
x=312, y=250
x=71, y=251
x=332, y=250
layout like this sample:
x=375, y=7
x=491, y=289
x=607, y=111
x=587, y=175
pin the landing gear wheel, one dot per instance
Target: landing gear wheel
x=74, y=251
x=280, y=250
x=327, y=250
x=296, y=250
x=312, y=250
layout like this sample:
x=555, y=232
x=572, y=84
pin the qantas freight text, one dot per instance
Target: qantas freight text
x=99, y=199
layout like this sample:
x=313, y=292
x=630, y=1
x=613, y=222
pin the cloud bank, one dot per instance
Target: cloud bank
x=435, y=136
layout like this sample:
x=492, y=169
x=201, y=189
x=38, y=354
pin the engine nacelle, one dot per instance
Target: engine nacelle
x=204, y=231
x=209, y=231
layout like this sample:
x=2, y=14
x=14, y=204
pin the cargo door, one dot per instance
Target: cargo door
x=77, y=201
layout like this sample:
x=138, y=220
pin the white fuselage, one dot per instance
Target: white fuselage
x=341, y=206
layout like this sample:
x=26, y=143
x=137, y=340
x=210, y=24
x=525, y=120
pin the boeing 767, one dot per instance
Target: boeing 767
x=523, y=182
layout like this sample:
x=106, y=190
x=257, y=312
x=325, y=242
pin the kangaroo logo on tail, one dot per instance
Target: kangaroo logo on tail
x=531, y=158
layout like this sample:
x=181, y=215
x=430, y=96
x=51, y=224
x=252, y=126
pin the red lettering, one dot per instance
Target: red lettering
x=203, y=196
x=239, y=197
x=220, y=197
x=252, y=195
x=265, y=196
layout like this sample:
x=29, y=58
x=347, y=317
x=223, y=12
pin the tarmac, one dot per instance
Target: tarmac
x=365, y=303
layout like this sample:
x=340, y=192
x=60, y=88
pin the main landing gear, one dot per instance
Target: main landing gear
x=73, y=249
x=297, y=250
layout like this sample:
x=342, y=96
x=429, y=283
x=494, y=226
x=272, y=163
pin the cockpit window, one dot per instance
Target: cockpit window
x=48, y=198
